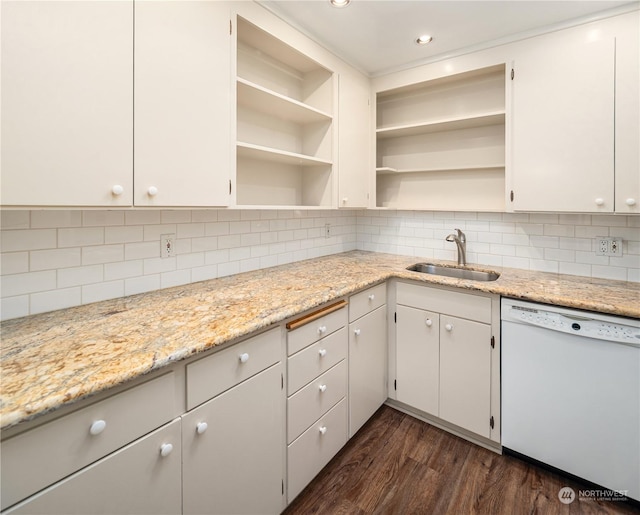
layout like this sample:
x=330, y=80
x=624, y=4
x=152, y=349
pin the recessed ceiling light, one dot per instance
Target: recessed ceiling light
x=424, y=39
x=340, y=3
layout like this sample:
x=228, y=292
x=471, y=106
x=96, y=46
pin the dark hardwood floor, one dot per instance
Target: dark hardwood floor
x=399, y=465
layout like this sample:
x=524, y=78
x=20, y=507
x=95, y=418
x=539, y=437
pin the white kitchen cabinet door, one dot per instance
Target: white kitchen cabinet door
x=563, y=125
x=417, y=358
x=182, y=103
x=141, y=478
x=234, y=464
x=465, y=374
x=355, y=172
x=367, y=366
x=67, y=106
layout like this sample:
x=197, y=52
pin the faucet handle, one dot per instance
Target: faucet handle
x=461, y=236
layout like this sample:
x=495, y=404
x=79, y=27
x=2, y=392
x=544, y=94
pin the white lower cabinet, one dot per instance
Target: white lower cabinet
x=141, y=478
x=232, y=449
x=317, y=347
x=367, y=355
x=447, y=356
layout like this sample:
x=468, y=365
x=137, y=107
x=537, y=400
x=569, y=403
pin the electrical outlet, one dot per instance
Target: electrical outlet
x=327, y=230
x=615, y=246
x=166, y=245
x=602, y=246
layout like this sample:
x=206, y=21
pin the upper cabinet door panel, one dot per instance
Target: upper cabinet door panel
x=182, y=103
x=563, y=126
x=67, y=106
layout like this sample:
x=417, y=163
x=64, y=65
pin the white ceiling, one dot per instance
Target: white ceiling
x=378, y=36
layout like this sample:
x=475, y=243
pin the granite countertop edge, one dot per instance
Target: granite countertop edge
x=54, y=359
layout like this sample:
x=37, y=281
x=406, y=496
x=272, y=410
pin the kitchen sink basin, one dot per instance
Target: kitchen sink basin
x=459, y=273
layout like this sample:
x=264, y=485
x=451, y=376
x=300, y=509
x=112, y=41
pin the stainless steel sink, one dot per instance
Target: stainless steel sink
x=459, y=273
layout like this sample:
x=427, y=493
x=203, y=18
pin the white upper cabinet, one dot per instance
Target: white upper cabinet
x=575, y=120
x=284, y=123
x=182, y=103
x=67, y=109
x=563, y=125
x=354, y=137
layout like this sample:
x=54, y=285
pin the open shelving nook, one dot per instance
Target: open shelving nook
x=440, y=144
x=285, y=106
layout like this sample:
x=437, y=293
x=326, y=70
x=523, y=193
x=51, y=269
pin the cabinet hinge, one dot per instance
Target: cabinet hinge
x=491, y=422
x=230, y=28
x=493, y=342
x=283, y=487
x=395, y=317
x=229, y=186
x=513, y=73
x=511, y=195
x=395, y=384
x=282, y=381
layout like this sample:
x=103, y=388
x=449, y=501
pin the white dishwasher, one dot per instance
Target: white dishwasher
x=571, y=392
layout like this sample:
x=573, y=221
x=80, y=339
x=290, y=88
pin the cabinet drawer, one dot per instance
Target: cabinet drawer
x=366, y=301
x=316, y=359
x=463, y=305
x=315, y=448
x=298, y=339
x=123, y=482
x=41, y=456
x=313, y=401
x=218, y=372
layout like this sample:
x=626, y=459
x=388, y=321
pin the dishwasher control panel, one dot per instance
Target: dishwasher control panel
x=589, y=325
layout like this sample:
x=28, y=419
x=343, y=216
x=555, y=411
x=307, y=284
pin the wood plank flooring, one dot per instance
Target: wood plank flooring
x=399, y=465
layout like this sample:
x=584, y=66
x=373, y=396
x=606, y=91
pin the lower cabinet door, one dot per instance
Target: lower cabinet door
x=465, y=374
x=367, y=367
x=232, y=450
x=141, y=478
x=418, y=358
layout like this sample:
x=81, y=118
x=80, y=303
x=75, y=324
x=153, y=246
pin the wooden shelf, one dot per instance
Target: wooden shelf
x=273, y=155
x=274, y=104
x=450, y=124
x=385, y=170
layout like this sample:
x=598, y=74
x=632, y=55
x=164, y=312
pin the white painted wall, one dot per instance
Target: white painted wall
x=54, y=259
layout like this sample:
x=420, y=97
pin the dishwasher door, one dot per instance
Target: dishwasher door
x=570, y=401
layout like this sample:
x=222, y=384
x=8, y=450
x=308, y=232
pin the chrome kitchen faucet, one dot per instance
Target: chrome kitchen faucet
x=461, y=241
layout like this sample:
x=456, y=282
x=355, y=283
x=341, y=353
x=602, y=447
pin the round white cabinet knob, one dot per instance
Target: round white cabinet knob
x=372, y=296
x=449, y=327
x=201, y=427
x=166, y=449
x=152, y=191
x=117, y=190
x=599, y=201
x=345, y=200
x=97, y=427
x=322, y=387
x=322, y=352
x=322, y=329
x=323, y=430
x=244, y=357
x=428, y=322
x=630, y=202
x=356, y=332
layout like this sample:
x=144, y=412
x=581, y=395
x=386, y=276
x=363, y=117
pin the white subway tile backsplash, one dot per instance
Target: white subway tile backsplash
x=27, y=239
x=55, y=299
x=80, y=237
x=54, y=259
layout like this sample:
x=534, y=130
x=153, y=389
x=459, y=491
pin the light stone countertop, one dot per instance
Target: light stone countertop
x=53, y=359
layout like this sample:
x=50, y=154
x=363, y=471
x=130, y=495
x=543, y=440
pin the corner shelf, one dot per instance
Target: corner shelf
x=284, y=122
x=441, y=143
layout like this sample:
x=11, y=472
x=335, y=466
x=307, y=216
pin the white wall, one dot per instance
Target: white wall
x=57, y=259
